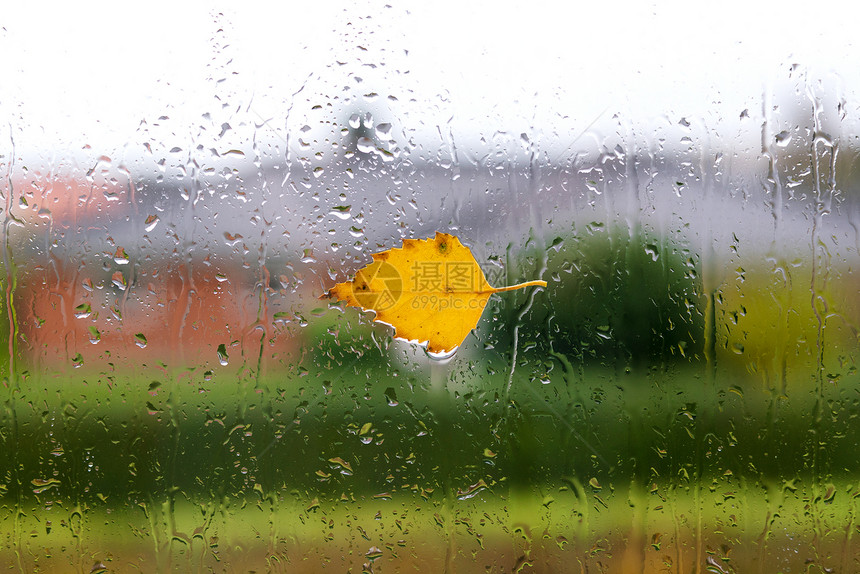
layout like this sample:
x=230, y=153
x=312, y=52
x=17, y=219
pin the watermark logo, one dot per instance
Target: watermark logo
x=439, y=277
x=385, y=274
x=443, y=302
x=432, y=284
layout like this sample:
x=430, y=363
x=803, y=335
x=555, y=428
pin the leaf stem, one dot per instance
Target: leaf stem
x=535, y=283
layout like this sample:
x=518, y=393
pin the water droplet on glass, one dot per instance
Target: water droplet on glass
x=443, y=357
x=120, y=257
x=556, y=244
x=373, y=553
x=223, y=358
x=391, y=397
x=341, y=211
x=150, y=223
x=783, y=138
x=341, y=466
x=383, y=131
x=651, y=250
x=43, y=484
x=365, y=145
x=472, y=490
x=83, y=311
x=308, y=256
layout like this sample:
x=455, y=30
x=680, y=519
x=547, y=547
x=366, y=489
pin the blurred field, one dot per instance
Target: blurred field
x=581, y=470
x=555, y=528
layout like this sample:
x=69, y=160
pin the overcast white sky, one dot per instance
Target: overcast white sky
x=87, y=73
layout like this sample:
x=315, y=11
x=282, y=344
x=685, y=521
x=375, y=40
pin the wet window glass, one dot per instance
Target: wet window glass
x=431, y=288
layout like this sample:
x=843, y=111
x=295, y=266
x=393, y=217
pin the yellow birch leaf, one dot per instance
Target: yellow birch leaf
x=429, y=290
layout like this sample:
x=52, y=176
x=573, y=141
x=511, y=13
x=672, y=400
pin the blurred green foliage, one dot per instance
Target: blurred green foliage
x=621, y=300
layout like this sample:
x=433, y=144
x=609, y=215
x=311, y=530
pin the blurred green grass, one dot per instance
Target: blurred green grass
x=556, y=526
